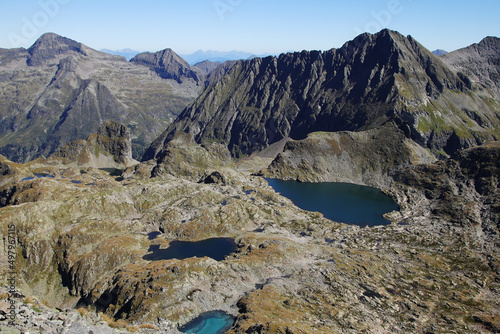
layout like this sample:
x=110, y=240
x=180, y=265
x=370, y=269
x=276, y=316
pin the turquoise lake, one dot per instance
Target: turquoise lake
x=340, y=202
x=216, y=322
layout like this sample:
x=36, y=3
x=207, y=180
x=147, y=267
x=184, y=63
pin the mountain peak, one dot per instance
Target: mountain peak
x=439, y=52
x=50, y=45
x=48, y=36
x=479, y=62
x=490, y=42
x=168, y=65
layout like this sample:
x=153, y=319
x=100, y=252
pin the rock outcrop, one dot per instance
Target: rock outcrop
x=465, y=190
x=183, y=157
x=368, y=82
x=5, y=168
x=31, y=315
x=110, y=148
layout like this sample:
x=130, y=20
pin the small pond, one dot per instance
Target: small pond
x=38, y=175
x=216, y=322
x=215, y=248
x=340, y=202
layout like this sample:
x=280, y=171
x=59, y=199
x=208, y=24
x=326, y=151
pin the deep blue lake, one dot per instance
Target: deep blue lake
x=340, y=202
x=216, y=248
x=216, y=322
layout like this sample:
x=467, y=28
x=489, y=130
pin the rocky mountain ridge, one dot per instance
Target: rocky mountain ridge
x=372, y=80
x=59, y=90
x=480, y=62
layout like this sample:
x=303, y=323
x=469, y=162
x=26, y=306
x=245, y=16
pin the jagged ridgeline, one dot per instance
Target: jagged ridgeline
x=60, y=90
x=440, y=103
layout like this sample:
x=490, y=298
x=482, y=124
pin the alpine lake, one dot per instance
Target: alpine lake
x=341, y=202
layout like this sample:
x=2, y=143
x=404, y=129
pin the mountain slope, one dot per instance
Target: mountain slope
x=480, y=62
x=207, y=66
x=60, y=90
x=364, y=84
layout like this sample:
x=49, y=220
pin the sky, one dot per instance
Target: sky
x=256, y=26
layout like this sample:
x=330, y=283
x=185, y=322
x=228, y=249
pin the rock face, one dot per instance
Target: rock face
x=368, y=82
x=110, y=147
x=182, y=157
x=60, y=90
x=33, y=316
x=5, y=168
x=480, y=62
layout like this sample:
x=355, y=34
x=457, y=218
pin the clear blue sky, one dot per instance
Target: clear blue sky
x=256, y=26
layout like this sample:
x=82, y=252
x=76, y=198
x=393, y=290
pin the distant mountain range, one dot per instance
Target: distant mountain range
x=218, y=56
x=440, y=52
x=127, y=53
x=194, y=58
